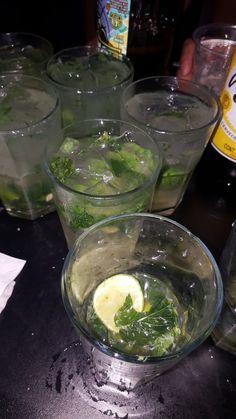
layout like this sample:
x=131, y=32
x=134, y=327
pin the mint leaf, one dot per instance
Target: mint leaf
x=78, y=217
x=61, y=167
x=126, y=314
x=156, y=328
x=147, y=327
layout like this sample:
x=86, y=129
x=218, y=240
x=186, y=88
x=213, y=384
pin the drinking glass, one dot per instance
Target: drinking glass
x=180, y=116
x=29, y=120
x=214, y=46
x=103, y=167
x=176, y=275
x=90, y=81
x=24, y=52
x=224, y=334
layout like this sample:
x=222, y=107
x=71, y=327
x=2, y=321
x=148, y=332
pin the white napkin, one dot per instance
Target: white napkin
x=9, y=269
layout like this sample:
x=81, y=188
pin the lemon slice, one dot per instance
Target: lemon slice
x=110, y=296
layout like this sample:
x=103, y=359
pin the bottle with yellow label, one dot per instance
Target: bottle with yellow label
x=217, y=168
x=224, y=140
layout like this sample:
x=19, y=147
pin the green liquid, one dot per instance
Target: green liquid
x=99, y=167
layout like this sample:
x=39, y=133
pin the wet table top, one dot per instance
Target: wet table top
x=43, y=371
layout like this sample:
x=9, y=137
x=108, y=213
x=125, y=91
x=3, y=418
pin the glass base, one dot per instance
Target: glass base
x=73, y=363
x=224, y=342
x=30, y=214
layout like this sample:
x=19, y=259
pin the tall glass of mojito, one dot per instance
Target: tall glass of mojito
x=90, y=81
x=24, y=52
x=103, y=167
x=29, y=120
x=180, y=116
x=142, y=292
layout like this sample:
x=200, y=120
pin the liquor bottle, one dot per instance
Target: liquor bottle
x=217, y=168
x=142, y=29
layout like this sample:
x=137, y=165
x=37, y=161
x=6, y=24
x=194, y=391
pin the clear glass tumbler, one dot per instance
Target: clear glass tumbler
x=29, y=121
x=90, y=81
x=224, y=334
x=24, y=52
x=180, y=116
x=214, y=46
x=103, y=167
x=125, y=259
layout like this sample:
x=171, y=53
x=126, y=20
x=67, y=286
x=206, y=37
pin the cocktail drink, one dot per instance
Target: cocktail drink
x=214, y=46
x=90, y=81
x=24, y=52
x=180, y=116
x=142, y=292
x=102, y=168
x=224, y=334
x=29, y=120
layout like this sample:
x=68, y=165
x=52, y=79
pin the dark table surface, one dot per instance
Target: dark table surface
x=42, y=367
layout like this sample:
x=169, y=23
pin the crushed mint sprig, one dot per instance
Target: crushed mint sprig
x=62, y=167
x=155, y=328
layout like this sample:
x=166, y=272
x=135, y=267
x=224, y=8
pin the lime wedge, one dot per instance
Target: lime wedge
x=110, y=296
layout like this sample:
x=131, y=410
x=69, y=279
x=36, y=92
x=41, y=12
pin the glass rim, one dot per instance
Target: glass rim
x=175, y=80
x=30, y=35
x=52, y=92
x=201, y=31
x=95, y=48
x=189, y=346
x=147, y=182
